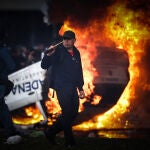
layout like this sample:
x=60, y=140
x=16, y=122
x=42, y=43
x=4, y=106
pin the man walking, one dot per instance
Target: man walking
x=67, y=79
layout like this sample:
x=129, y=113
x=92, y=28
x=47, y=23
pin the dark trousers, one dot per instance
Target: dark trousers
x=5, y=118
x=69, y=103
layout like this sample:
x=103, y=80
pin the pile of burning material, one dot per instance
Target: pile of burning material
x=125, y=26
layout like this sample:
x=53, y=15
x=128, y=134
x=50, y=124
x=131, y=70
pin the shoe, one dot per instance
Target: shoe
x=14, y=139
x=70, y=142
x=50, y=137
x=70, y=146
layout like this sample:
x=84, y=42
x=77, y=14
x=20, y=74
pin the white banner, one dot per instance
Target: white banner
x=27, y=86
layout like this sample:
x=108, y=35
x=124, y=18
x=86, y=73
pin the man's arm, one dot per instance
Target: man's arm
x=81, y=81
x=48, y=58
x=46, y=61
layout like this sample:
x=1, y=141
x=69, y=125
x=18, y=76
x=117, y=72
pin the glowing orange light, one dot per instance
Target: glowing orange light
x=122, y=29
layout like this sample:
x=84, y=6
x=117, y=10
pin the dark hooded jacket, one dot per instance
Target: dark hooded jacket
x=7, y=64
x=65, y=70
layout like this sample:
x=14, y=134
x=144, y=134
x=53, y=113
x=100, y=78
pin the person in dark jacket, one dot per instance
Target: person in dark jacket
x=66, y=78
x=7, y=66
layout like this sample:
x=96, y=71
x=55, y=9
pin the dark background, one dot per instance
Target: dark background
x=27, y=28
x=22, y=22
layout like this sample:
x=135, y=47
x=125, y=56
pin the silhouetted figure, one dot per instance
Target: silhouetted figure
x=66, y=78
x=7, y=66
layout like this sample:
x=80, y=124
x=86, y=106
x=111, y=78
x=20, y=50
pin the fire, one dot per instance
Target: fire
x=120, y=28
x=96, y=99
x=32, y=116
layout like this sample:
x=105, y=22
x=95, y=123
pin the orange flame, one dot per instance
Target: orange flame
x=33, y=115
x=122, y=29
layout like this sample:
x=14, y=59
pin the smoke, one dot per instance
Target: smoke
x=135, y=5
x=79, y=10
x=83, y=10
